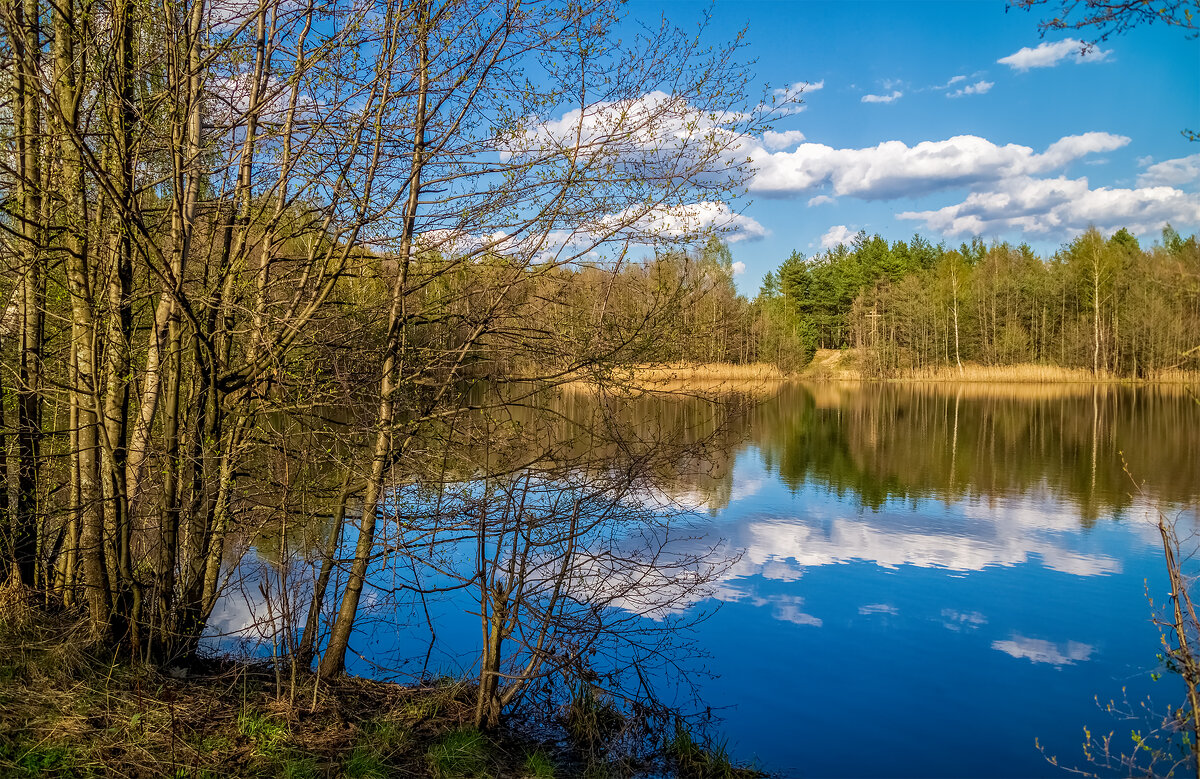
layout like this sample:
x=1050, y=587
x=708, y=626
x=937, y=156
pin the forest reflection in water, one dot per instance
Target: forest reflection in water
x=967, y=563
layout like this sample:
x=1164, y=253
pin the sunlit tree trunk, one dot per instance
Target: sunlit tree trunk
x=334, y=658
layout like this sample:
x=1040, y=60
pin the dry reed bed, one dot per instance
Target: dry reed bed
x=688, y=377
x=844, y=366
x=1039, y=374
x=835, y=393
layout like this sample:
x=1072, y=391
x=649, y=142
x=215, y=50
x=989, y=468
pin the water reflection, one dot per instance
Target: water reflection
x=967, y=563
x=1040, y=651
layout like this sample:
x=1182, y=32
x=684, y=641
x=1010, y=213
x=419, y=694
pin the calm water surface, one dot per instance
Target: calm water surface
x=930, y=578
x=935, y=577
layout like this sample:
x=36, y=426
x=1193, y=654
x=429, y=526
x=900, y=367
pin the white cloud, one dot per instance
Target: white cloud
x=821, y=200
x=639, y=226
x=1047, y=55
x=953, y=80
x=978, y=88
x=793, y=94
x=790, y=612
x=782, y=140
x=1060, y=207
x=895, y=95
x=1001, y=532
x=838, y=234
x=878, y=608
x=802, y=86
x=1173, y=173
x=681, y=222
x=893, y=169
x=739, y=268
x=1039, y=650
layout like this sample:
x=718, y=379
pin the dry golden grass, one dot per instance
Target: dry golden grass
x=1038, y=374
x=832, y=365
x=690, y=377
x=842, y=365
x=712, y=371
x=1019, y=374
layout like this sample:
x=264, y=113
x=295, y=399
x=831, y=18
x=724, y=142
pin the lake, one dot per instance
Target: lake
x=936, y=577
x=925, y=580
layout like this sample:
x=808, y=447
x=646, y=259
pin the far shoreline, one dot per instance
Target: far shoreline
x=842, y=366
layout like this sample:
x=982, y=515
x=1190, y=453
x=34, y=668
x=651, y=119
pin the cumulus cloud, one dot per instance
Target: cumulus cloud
x=782, y=140
x=889, y=98
x=893, y=169
x=653, y=129
x=1047, y=55
x=837, y=235
x=1172, y=173
x=821, y=200
x=739, y=268
x=978, y=88
x=1060, y=206
x=639, y=226
x=694, y=219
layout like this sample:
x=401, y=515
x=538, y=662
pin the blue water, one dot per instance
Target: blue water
x=926, y=638
x=925, y=581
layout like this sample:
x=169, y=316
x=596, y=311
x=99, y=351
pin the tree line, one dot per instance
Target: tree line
x=1104, y=304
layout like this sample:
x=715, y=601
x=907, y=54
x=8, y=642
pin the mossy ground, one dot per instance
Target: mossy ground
x=66, y=712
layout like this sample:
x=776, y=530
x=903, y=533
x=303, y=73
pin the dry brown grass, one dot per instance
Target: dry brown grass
x=66, y=713
x=842, y=365
x=689, y=377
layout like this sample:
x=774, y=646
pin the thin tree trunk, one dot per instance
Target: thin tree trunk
x=334, y=659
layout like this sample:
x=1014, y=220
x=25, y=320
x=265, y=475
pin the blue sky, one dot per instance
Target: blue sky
x=930, y=118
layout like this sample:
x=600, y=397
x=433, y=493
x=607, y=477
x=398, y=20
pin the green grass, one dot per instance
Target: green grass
x=376, y=746
x=386, y=737
x=269, y=735
x=364, y=763
x=460, y=755
x=591, y=720
x=695, y=760
x=538, y=766
x=299, y=766
x=42, y=759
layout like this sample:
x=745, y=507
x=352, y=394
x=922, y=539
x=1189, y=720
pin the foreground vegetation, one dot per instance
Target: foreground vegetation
x=67, y=710
x=280, y=282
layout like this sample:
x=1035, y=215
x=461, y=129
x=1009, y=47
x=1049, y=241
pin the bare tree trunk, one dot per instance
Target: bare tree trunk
x=334, y=659
x=308, y=640
x=954, y=289
x=26, y=42
x=1096, y=310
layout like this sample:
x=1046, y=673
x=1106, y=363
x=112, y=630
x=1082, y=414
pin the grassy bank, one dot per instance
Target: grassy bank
x=701, y=377
x=846, y=365
x=66, y=712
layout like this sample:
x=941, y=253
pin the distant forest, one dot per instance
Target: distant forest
x=1105, y=304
